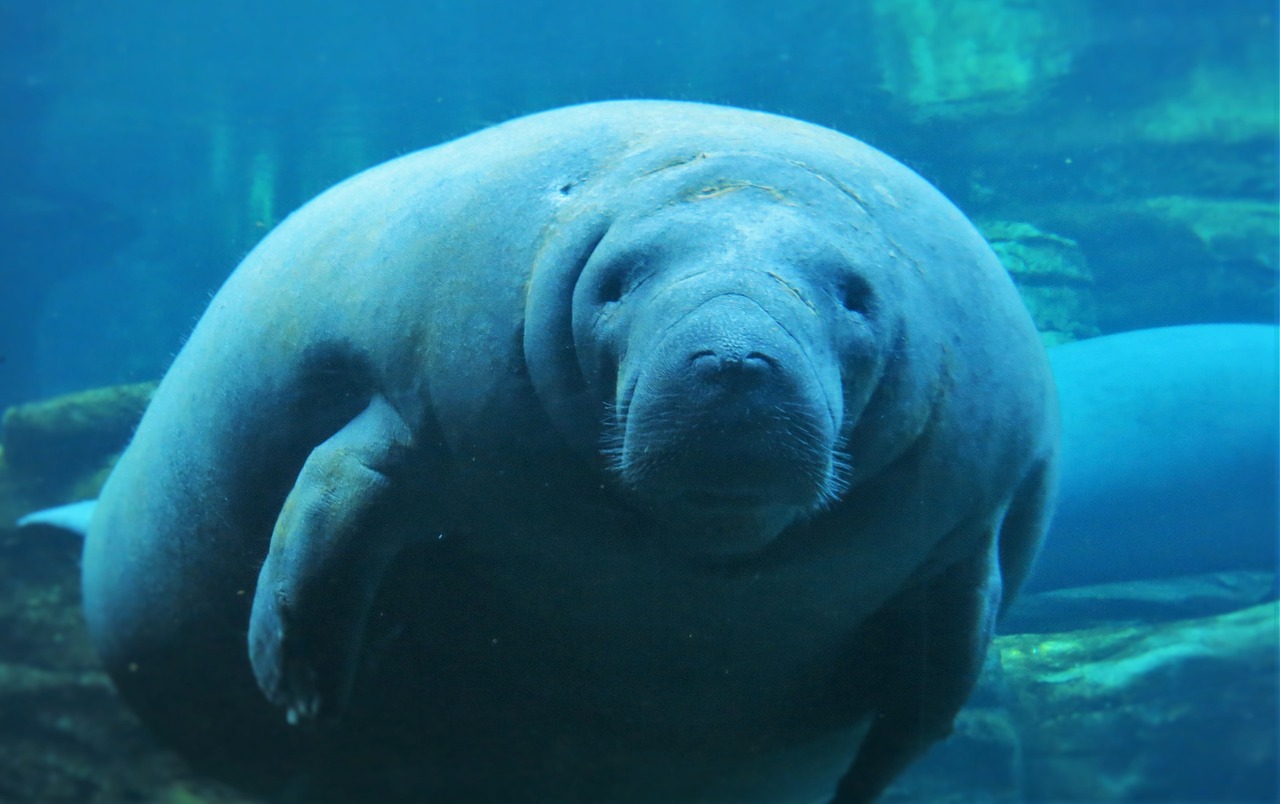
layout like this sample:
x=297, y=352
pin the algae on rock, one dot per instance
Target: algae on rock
x=1052, y=277
x=1183, y=710
x=1239, y=230
x=61, y=450
x=1178, y=711
x=954, y=58
x=58, y=439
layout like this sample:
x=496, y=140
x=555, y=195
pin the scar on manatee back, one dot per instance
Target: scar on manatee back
x=676, y=162
x=724, y=188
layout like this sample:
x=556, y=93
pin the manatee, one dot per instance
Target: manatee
x=1169, y=459
x=628, y=451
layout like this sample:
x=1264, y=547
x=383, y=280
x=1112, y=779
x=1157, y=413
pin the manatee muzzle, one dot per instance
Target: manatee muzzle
x=726, y=411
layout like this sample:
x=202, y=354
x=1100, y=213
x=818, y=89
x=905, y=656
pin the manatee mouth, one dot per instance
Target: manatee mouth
x=711, y=477
x=727, y=459
x=728, y=409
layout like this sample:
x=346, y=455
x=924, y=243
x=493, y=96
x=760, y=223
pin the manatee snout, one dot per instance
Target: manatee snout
x=730, y=416
x=729, y=351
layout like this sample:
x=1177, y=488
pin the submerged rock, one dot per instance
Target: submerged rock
x=1168, y=259
x=65, y=735
x=977, y=57
x=1052, y=276
x=1230, y=230
x=1179, y=711
x=1183, y=710
x=62, y=449
x=55, y=441
x=1147, y=601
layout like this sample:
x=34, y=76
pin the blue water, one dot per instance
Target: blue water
x=147, y=145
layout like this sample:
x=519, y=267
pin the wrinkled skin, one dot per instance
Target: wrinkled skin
x=631, y=451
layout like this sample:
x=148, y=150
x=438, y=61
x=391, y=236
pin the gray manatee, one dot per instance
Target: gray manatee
x=628, y=451
x=1168, y=463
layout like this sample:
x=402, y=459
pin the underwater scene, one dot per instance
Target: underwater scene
x=639, y=401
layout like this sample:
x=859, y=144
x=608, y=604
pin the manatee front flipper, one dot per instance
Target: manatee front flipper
x=332, y=542
x=930, y=646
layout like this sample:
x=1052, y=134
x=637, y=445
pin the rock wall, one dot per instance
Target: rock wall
x=1143, y=133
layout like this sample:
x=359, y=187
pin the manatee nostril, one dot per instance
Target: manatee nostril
x=705, y=363
x=710, y=365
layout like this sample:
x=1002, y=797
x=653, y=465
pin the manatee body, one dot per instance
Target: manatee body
x=1169, y=455
x=629, y=451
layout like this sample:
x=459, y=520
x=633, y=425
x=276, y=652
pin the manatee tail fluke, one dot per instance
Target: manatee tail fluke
x=73, y=518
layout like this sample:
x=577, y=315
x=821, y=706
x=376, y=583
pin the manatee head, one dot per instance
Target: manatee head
x=728, y=329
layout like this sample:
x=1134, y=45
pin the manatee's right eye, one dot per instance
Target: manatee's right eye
x=613, y=273
x=611, y=287
x=621, y=276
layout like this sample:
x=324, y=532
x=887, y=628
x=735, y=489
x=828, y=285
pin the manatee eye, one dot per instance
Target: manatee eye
x=611, y=288
x=621, y=279
x=855, y=294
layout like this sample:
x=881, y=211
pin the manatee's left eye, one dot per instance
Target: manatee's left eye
x=855, y=294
